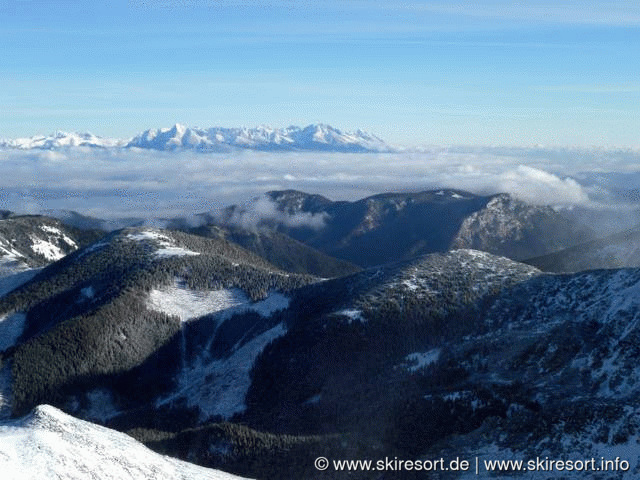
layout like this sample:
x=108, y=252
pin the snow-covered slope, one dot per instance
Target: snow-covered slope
x=29, y=242
x=189, y=304
x=48, y=444
x=128, y=295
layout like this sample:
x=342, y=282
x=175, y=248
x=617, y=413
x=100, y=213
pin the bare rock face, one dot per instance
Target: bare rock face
x=514, y=229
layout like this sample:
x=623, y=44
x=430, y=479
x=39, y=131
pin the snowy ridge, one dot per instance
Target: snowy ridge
x=60, y=140
x=49, y=444
x=312, y=137
x=163, y=244
x=29, y=238
x=489, y=271
x=12, y=262
x=26, y=243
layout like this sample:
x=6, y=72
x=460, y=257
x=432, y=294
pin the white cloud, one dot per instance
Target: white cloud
x=542, y=188
x=264, y=209
x=123, y=183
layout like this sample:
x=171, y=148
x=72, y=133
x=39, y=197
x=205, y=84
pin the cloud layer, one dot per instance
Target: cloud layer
x=115, y=183
x=263, y=209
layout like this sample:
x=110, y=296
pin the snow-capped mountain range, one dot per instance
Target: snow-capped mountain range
x=315, y=137
x=59, y=140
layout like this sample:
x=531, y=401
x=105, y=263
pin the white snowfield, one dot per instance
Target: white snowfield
x=49, y=444
x=166, y=246
x=220, y=387
x=217, y=386
x=47, y=249
x=60, y=140
x=189, y=304
x=311, y=137
x=49, y=246
x=59, y=233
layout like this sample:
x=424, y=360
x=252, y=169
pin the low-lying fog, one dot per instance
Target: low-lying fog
x=118, y=183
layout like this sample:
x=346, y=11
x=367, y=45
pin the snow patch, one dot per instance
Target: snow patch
x=88, y=292
x=353, y=314
x=419, y=360
x=57, y=231
x=219, y=387
x=9, y=257
x=92, y=248
x=170, y=251
x=313, y=400
x=189, y=304
x=47, y=249
x=168, y=248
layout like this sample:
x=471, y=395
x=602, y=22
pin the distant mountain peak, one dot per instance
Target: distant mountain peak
x=59, y=140
x=314, y=137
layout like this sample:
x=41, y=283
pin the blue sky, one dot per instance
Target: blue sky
x=434, y=72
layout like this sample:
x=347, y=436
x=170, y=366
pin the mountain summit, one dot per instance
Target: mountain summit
x=312, y=137
x=315, y=137
x=60, y=140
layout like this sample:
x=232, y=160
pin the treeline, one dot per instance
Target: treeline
x=244, y=451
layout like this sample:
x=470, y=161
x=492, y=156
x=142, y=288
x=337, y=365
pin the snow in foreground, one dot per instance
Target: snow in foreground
x=49, y=444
